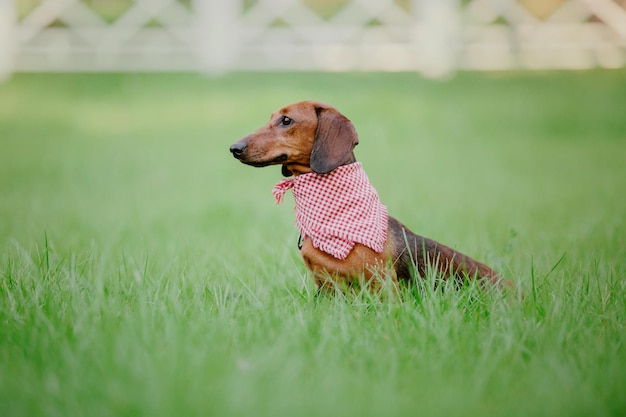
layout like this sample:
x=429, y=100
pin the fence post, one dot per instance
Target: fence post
x=217, y=35
x=8, y=38
x=436, y=36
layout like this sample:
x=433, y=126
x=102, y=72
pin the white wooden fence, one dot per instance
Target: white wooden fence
x=434, y=37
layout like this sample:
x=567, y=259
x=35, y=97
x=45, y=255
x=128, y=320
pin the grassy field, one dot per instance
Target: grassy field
x=145, y=272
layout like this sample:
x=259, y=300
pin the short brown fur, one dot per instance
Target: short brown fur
x=315, y=137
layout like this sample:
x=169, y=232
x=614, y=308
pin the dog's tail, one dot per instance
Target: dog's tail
x=453, y=263
x=426, y=254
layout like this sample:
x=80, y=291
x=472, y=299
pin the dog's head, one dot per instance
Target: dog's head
x=307, y=136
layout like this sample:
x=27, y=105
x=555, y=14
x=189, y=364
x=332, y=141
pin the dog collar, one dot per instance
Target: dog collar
x=337, y=210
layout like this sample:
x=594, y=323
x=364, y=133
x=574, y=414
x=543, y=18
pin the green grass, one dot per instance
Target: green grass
x=144, y=272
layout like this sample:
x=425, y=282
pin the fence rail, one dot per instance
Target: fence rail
x=434, y=37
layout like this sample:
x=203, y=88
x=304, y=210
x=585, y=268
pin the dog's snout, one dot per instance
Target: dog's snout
x=238, y=148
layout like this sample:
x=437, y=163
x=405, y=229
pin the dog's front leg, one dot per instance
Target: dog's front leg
x=362, y=266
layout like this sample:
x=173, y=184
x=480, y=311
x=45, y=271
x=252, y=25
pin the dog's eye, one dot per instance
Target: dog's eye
x=286, y=121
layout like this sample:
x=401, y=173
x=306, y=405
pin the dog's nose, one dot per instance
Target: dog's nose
x=237, y=149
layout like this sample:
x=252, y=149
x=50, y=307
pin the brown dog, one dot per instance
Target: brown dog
x=311, y=139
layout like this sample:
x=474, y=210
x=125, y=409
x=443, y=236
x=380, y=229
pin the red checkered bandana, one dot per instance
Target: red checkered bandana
x=337, y=210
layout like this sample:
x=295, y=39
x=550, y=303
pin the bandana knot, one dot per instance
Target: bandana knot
x=337, y=210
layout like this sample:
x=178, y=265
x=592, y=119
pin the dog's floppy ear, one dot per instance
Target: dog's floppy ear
x=335, y=138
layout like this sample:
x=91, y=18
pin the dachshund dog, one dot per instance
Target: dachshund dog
x=345, y=231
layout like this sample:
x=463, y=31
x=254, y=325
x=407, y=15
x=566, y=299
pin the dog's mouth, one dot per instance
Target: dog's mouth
x=241, y=152
x=259, y=164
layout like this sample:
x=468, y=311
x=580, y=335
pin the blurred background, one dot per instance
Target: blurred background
x=434, y=38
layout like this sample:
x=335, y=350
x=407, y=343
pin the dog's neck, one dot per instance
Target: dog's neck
x=337, y=210
x=296, y=169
